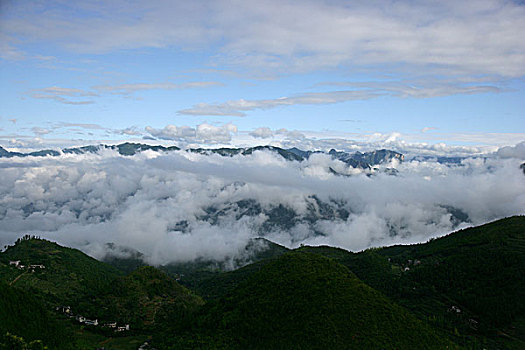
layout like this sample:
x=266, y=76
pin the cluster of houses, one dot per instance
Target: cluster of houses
x=18, y=264
x=411, y=262
x=66, y=310
x=472, y=323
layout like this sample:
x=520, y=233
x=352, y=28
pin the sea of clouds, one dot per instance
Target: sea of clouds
x=88, y=200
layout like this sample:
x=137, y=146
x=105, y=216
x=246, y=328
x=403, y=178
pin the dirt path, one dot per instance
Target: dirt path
x=16, y=279
x=105, y=341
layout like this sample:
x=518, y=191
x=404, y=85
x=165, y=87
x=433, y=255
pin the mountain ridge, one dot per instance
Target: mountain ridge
x=464, y=289
x=356, y=160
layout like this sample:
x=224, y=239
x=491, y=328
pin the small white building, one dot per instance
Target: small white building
x=91, y=322
x=64, y=309
x=455, y=308
x=14, y=263
x=37, y=266
x=122, y=328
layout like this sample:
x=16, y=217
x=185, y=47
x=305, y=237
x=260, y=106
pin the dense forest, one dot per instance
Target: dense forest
x=464, y=290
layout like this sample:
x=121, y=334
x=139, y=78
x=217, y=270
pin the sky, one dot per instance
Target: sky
x=424, y=78
x=261, y=72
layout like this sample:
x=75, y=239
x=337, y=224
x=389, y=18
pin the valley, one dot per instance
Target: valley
x=463, y=290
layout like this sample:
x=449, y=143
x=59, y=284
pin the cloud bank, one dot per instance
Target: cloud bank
x=202, y=133
x=455, y=38
x=181, y=206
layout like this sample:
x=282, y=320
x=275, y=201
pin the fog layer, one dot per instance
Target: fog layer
x=181, y=206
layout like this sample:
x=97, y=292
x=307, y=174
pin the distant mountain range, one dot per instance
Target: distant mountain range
x=360, y=160
x=125, y=149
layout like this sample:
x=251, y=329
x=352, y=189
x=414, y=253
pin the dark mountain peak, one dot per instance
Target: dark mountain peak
x=230, y=152
x=125, y=149
x=3, y=152
x=82, y=150
x=130, y=149
x=368, y=159
x=46, y=152
x=304, y=300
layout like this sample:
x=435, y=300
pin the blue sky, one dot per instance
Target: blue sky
x=212, y=72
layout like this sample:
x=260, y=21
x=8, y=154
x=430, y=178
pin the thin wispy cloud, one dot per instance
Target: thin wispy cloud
x=63, y=95
x=240, y=107
x=427, y=88
x=80, y=125
x=362, y=91
x=428, y=128
x=40, y=131
x=470, y=37
x=74, y=96
x=128, y=89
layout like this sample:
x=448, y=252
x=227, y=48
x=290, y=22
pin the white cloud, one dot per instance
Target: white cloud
x=262, y=133
x=160, y=203
x=458, y=144
x=295, y=136
x=203, y=133
x=172, y=132
x=448, y=37
x=517, y=151
x=208, y=133
x=131, y=131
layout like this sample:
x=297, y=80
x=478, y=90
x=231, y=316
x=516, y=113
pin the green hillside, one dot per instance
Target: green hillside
x=479, y=270
x=132, y=261
x=211, y=279
x=68, y=276
x=305, y=301
x=482, y=269
x=144, y=298
x=196, y=274
x=24, y=315
x=466, y=288
x=219, y=284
